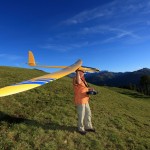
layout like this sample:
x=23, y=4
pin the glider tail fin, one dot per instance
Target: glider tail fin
x=31, y=60
x=32, y=63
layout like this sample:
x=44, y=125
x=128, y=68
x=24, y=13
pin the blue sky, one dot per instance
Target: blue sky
x=110, y=35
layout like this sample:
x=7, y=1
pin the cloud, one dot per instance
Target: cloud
x=148, y=23
x=106, y=29
x=89, y=15
x=82, y=38
x=113, y=9
x=122, y=33
x=57, y=47
x=10, y=57
x=65, y=47
x=2, y=55
x=121, y=21
x=119, y=34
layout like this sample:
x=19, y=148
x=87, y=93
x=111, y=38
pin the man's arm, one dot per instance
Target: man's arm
x=78, y=78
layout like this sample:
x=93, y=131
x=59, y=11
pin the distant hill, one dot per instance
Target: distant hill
x=45, y=117
x=117, y=79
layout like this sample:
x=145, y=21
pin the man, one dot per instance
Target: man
x=81, y=99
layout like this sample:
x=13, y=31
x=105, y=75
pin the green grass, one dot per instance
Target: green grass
x=45, y=117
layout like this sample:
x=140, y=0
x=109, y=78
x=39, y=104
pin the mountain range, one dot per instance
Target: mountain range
x=119, y=79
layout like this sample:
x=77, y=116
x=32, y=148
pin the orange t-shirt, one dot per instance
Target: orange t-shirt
x=80, y=95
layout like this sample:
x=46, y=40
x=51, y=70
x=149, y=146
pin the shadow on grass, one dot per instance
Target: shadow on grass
x=11, y=120
x=135, y=95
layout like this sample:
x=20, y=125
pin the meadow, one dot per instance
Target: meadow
x=45, y=118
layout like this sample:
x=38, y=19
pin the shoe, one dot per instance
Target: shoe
x=90, y=130
x=82, y=132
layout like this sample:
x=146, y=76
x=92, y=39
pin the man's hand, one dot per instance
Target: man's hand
x=91, y=89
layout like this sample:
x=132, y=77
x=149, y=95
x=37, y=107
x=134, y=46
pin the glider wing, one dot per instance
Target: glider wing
x=39, y=81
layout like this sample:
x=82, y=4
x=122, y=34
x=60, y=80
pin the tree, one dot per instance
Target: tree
x=145, y=84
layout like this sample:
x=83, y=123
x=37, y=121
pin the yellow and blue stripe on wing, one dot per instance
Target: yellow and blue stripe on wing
x=41, y=81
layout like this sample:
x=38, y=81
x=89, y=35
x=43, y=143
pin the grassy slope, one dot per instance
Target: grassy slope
x=45, y=117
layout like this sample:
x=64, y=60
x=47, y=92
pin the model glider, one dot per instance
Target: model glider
x=35, y=82
x=32, y=63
